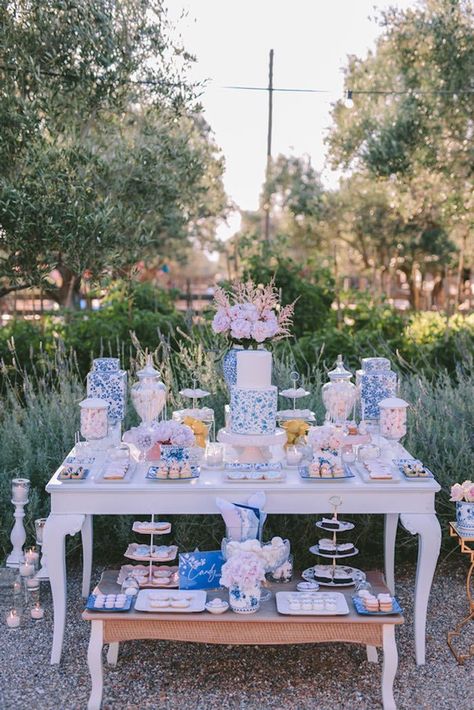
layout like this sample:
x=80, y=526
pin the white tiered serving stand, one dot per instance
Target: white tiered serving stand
x=252, y=448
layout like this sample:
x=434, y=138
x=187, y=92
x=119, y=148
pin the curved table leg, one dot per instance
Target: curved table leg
x=390, y=664
x=427, y=527
x=94, y=661
x=390, y=536
x=54, y=537
x=86, y=534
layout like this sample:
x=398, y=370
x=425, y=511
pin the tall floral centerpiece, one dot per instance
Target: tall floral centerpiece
x=243, y=574
x=463, y=494
x=249, y=316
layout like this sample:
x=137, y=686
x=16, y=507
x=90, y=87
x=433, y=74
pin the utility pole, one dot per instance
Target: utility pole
x=269, y=145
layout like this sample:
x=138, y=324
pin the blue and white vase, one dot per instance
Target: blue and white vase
x=107, y=381
x=465, y=517
x=229, y=365
x=245, y=601
x=377, y=382
x=171, y=453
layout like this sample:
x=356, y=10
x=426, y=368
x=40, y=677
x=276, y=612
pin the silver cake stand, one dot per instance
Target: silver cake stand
x=252, y=448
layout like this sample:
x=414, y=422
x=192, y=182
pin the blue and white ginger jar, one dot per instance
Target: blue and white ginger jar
x=465, y=517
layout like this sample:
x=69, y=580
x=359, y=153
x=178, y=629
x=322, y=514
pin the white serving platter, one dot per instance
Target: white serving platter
x=131, y=553
x=126, y=478
x=197, y=601
x=283, y=604
x=364, y=475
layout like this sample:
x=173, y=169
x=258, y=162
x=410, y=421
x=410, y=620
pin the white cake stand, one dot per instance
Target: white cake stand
x=252, y=448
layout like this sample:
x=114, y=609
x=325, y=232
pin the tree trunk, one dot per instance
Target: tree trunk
x=68, y=293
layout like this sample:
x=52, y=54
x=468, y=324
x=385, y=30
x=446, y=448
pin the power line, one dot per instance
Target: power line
x=353, y=92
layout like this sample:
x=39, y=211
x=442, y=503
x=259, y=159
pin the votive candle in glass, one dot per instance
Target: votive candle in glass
x=214, y=454
x=39, y=529
x=294, y=455
x=32, y=556
x=13, y=619
x=20, y=490
x=37, y=611
x=26, y=569
x=32, y=584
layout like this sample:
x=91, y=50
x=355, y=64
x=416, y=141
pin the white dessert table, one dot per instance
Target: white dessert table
x=74, y=504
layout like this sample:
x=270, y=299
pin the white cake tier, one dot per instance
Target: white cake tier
x=253, y=411
x=254, y=369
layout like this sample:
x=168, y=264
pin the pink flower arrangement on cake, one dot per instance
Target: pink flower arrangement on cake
x=463, y=492
x=244, y=569
x=251, y=313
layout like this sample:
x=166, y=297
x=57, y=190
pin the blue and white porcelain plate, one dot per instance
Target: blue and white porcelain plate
x=90, y=605
x=401, y=463
x=360, y=609
x=262, y=466
x=304, y=473
x=73, y=473
x=151, y=475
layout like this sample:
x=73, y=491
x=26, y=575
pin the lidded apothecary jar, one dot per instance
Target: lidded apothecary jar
x=94, y=419
x=339, y=395
x=149, y=393
x=393, y=418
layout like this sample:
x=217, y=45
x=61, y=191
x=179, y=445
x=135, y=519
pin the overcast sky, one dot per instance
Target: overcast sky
x=311, y=39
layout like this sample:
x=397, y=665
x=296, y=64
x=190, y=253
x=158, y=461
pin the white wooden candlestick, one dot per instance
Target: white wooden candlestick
x=18, y=535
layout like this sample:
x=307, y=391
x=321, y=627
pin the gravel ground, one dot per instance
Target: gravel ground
x=169, y=676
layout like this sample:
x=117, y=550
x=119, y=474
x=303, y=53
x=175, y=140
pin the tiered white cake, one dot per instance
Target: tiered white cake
x=253, y=400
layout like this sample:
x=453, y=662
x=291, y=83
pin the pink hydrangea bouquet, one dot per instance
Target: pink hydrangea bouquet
x=251, y=314
x=244, y=570
x=463, y=492
x=174, y=433
x=325, y=437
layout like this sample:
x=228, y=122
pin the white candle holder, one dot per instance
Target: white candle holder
x=20, y=491
x=42, y=573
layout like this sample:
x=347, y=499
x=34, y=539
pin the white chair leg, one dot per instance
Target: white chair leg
x=372, y=655
x=390, y=664
x=94, y=661
x=391, y=524
x=86, y=534
x=112, y=653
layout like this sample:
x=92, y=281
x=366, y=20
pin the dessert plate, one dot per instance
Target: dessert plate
x=90, y=605
x=343, y=526
x=360, y=608
x=304, y=473
x=355, y=573
x=196, y=599
x=68, y=473
x=262, y=466
x=168, y=580
x=133, y=552
x=104, y=475
x=151, y=475
x=283, y=604
x=267, y=476
x=401, y=463
x=146, y=527
x=333, y=556
x=365, y=476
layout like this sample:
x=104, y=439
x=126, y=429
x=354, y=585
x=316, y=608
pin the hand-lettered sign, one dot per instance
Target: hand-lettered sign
x=200, y=570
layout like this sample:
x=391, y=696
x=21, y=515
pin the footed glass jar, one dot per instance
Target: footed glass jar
x=94, y=418
x=339, y=395
x=149, y=393
x=393, y=418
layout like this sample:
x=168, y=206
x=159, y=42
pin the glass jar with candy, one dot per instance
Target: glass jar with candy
x=339, y=394
x=393, y=418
